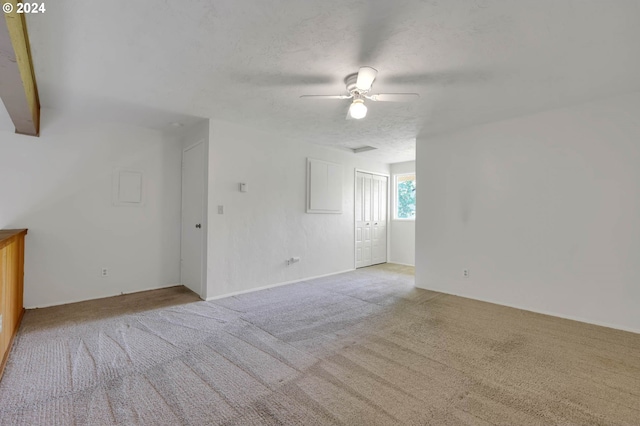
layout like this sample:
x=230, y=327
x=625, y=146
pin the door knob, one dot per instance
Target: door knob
x=376, y=223
x=368, y=224
x=198, y=226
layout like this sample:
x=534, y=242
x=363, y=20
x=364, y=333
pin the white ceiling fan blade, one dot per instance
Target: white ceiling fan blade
x=366, y=75
x=394, y=97
x=327, y=96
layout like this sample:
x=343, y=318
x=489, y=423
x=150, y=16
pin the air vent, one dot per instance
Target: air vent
x=364, y=149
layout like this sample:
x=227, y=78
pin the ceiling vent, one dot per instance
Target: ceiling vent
x=364, y=149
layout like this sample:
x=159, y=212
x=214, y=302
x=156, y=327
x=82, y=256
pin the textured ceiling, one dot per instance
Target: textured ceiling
x=249, y=61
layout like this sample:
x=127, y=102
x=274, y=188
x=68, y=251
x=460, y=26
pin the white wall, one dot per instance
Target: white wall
x=544, y=210
x=259, y=229
x=403, y=232
x=59, y=186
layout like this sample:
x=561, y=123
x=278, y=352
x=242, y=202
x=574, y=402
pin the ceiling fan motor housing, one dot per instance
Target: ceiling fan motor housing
x=350, y=81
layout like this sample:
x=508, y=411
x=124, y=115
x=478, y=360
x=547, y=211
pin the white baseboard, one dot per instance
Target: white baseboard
x=543, y=312
x=101, y=297
x=251, y=290
x=403, y=264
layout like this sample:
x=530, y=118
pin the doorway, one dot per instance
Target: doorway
x=371, y=211
x=193, y=229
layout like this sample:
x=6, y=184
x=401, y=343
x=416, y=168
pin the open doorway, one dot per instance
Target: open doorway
x=403, y=213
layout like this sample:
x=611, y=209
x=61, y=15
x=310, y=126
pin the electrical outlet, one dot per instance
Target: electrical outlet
x=287, y=262
x=104, y=272
x=465, y=273
x=220, y=209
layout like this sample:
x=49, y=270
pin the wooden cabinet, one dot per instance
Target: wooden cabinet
x=11, y=288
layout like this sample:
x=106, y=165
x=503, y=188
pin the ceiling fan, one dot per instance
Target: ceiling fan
x=358, y=88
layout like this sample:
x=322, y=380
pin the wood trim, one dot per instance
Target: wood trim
x=11, y=288
x=5, y=358
x=18, y=88
x=7, y=235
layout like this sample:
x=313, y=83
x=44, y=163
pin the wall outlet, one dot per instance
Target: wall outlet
x=465, y=273
x=220, y=209
x=287, y=262
x=104, y=272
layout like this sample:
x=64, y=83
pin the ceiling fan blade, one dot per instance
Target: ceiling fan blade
x=394, y=97
x=366, y=75
x=284, y=79
x=326, y=96
x=443, y=77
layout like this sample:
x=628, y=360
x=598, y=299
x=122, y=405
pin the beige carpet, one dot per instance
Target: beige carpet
x=361, y=348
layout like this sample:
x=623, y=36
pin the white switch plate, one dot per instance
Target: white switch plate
x=220, y=209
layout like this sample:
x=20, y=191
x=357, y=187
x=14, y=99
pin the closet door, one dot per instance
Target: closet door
x=379, y=220
x=371, y=219
x=363, y=213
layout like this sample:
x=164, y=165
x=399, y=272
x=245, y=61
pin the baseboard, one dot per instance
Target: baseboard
x=538, y=311
x=266, y=287
x=403, y=264
x=101, y=297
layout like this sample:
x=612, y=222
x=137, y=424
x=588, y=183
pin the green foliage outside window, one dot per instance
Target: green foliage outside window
x=406, y=199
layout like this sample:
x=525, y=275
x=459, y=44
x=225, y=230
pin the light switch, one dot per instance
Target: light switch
x=244, y=187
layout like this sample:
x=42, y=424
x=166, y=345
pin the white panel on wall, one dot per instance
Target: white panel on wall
x=324, y=186
x=127, y=188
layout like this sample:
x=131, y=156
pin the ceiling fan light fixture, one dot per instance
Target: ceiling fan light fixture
x=358, y=109
x=358, y=87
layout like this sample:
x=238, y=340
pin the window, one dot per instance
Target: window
x=405, y=188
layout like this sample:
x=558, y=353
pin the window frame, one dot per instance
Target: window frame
x=395, y=197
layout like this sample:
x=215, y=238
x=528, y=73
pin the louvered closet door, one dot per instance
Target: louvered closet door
x=363, y=220
x=370, y=219
x=379, y=220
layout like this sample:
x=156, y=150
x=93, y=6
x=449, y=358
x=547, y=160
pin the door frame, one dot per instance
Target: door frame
x=203, y=239
x=355, y=182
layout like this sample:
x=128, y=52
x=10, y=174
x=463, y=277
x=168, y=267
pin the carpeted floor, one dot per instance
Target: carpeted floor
x=361, y=348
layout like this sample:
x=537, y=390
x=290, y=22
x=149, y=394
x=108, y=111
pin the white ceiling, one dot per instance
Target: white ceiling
x=248, y=61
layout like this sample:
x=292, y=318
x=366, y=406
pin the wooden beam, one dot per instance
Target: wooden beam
x=18, y=88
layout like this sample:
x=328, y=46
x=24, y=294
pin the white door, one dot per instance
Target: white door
x=363, y=219
x=370, y=219
x=379, y=220
x=192, y=215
